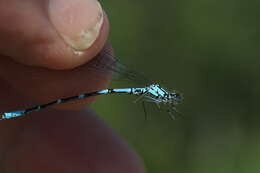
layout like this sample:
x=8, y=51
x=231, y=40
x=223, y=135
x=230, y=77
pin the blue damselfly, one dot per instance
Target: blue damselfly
x=151, y=92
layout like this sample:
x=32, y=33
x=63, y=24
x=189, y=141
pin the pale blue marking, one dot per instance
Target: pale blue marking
x=103, y=91
x=81, y=96
x=123, y=90
x=8, y=115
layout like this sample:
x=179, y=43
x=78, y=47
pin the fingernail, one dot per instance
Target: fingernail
x=77, y=21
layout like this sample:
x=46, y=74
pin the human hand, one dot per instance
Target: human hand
x=44, y=50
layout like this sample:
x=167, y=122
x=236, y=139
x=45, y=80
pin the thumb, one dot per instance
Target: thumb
x=57, y=34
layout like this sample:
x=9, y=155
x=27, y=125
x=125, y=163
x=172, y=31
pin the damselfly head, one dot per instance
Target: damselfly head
x=176, y=97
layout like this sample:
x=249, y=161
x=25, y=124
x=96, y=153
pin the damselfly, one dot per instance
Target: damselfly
x=149, y=93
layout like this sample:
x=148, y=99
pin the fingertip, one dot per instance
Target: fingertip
x=56, y=34
x=78, y=22
x=59, y=55
x=83, y=27
x=64, y=57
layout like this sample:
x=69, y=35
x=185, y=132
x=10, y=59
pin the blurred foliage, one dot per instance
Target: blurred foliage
x=208, y=50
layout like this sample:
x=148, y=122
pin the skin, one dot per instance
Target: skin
x=37, y=66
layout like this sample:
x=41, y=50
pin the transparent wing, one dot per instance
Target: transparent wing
x=106, y=62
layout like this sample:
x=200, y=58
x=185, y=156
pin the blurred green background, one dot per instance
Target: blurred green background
x=208, y=50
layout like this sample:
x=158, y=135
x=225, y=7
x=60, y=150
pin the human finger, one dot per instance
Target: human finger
x=64, y=141
x=56, y=34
